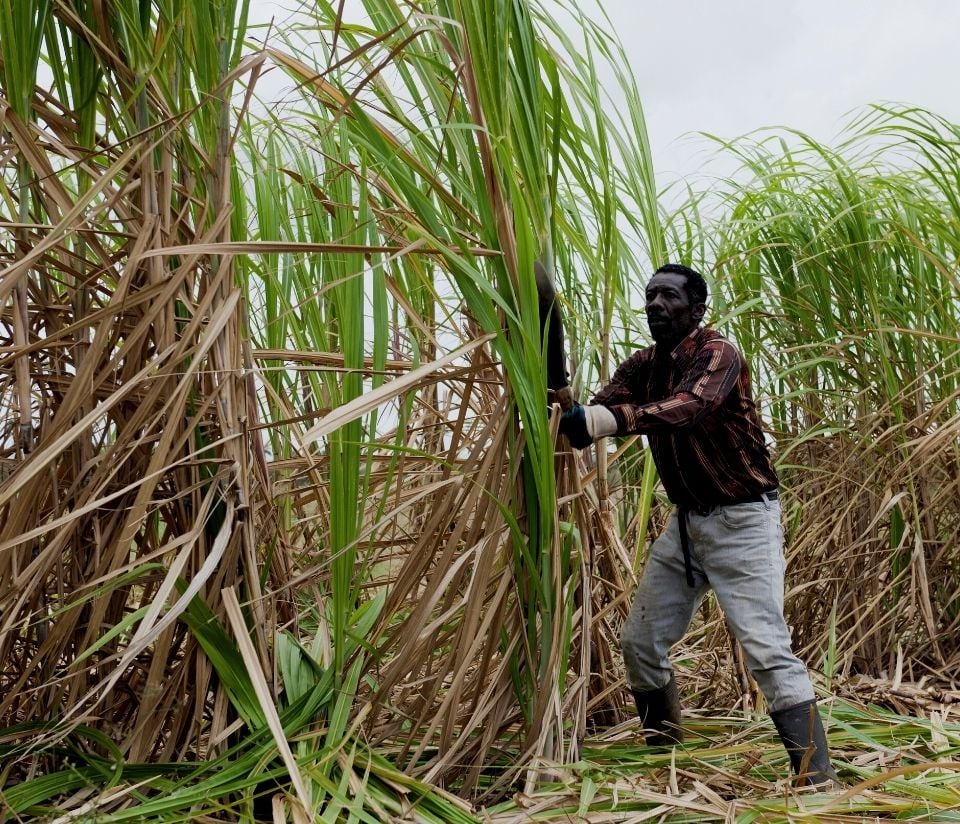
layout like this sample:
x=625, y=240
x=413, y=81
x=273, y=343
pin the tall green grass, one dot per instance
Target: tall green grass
x=498, y=159
x=851, y=254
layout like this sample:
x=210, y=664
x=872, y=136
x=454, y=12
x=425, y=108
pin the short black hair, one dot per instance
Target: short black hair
x=695, y=285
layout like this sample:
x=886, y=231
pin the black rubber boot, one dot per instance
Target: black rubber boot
x=801, y=731
x=659, y=711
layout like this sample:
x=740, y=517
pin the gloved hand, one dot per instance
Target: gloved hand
x=584, y=424
x=573, y=424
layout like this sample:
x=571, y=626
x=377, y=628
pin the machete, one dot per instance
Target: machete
x=551, y=324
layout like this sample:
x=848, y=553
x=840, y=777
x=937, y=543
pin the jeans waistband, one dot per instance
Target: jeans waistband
x=769, y=495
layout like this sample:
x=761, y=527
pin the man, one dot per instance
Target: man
x=689, y=394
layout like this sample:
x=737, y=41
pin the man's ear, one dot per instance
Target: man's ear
x=698, y=311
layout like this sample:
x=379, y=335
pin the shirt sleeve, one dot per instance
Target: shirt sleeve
x=628, y=384
x=704, y=387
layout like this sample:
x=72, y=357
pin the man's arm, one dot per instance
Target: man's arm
x=629, y=382
x=584, y=424
x=706, y=384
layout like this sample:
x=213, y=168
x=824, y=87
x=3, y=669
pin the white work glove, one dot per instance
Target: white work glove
x=600, y=421
x=584, y=424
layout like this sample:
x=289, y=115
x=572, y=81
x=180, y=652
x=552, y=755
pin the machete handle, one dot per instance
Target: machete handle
x=563, y=396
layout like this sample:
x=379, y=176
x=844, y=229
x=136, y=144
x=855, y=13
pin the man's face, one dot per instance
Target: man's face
x=669, y=313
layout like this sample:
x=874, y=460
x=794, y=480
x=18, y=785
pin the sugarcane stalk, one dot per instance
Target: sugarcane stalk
x=21, y=318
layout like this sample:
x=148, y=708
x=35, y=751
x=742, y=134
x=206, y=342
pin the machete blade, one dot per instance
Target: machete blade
x=551, y=324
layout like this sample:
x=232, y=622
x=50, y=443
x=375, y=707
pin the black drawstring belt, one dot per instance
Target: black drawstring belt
x=685, y=544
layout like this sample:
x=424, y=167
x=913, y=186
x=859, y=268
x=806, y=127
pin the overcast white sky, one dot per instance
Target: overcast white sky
x=731, y=66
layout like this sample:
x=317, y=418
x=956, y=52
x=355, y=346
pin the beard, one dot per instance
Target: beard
x=666, y=330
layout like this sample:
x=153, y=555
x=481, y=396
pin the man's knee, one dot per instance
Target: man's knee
x=646, y=666
x=631, y=637
x=638, y=631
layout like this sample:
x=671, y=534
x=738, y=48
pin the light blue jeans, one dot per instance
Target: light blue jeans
x=737, y=550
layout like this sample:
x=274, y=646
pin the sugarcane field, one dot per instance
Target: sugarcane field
x=395, y=430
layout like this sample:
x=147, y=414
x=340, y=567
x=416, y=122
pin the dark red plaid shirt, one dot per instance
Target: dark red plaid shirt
x=695, y=406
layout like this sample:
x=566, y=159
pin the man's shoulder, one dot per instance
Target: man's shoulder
x=643, y=354
x=708, y=338
x=635, y=366
x=707, y=334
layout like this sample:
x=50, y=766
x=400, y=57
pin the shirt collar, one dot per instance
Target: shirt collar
x=684, y=350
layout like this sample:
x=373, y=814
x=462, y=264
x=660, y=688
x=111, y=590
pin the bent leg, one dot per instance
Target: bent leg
x=746, y=567
x=662, y=609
